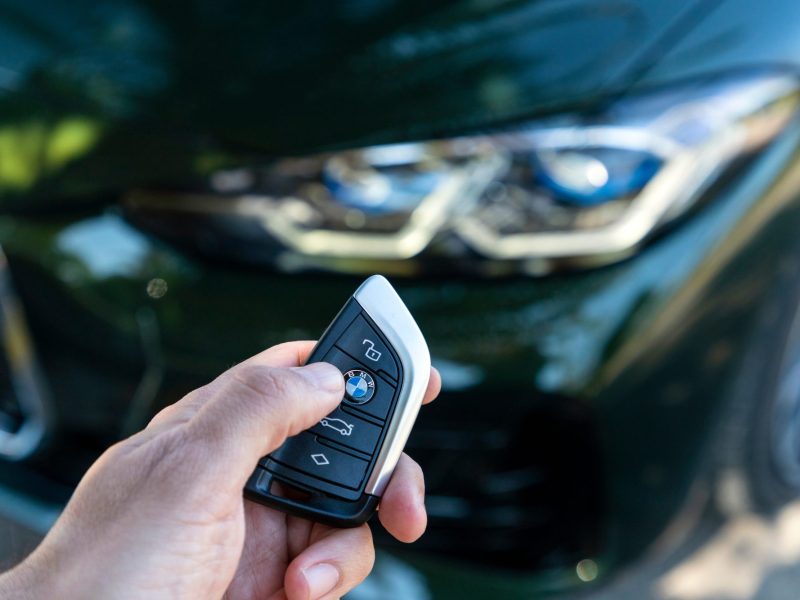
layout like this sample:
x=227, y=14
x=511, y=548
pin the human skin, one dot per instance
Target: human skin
x=161, y=514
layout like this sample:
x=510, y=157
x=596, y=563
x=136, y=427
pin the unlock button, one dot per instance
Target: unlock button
x=362, y=343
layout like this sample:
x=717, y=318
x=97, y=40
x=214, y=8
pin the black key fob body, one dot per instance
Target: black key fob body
x=336, y=471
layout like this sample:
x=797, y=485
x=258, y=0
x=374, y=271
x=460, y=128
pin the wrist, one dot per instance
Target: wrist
x=33, y=579
x=21, y=582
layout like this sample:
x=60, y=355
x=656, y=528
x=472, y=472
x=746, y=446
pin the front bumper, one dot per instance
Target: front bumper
x=576, y=409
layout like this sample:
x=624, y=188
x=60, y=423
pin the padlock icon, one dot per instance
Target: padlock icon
x=371, y=353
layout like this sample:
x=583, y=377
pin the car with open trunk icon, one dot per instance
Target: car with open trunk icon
x=339, y=425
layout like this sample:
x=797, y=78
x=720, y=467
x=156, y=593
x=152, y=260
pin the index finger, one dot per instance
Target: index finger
x=294, y=354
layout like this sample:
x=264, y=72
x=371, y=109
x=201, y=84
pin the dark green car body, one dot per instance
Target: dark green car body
x=583, y=415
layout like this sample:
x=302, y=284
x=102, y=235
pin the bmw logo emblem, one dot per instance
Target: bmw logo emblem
x=359, y=386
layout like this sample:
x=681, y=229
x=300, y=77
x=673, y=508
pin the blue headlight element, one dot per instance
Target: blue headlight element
x=590, y=177
x=379, y=181
x=567, y=190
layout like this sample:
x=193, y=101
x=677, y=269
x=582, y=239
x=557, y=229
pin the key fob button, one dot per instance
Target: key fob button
x=343, y=463
x=363, y=343
x=348, y=430
x=380, y=404
x=304, y=453
x=380, y=401
x=359, y=386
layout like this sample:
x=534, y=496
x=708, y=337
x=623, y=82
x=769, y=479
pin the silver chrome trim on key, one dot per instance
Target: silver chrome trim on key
x=380, y=301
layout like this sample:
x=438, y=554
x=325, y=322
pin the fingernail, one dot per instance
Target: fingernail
x=321, y=579
x=323, y=375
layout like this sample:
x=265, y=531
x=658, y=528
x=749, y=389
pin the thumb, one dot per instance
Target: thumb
x=252, y=409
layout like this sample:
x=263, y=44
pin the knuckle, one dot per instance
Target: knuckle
x=366, y=556
x=176, y=463
x=262, y=380
x=265, y=395
x=359, y=560
x=367, y=565
x=418, y=475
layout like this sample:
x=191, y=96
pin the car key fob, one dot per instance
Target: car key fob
x=336, y=471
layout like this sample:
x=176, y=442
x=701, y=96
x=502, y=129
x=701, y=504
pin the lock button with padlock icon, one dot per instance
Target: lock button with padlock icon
x=371, y=353
x=362, y=342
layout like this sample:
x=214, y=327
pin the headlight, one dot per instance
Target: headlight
x=582, y=189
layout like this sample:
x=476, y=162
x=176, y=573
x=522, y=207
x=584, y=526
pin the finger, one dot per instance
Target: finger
x=289, y=354
x=252, y=409
x=332, y=565
x=292, y=354
x=259, y=568
x=434, y=386
x=402, y=508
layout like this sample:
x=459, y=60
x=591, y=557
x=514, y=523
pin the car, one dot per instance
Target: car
x=344, y=428
x=590, y=208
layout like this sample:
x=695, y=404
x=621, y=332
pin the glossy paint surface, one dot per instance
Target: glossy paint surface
x=107, y=96
x=577, y=410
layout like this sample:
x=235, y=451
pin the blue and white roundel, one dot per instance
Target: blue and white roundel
x=359, y=386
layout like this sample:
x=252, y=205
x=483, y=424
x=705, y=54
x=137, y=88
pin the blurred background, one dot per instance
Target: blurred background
x=590, y=206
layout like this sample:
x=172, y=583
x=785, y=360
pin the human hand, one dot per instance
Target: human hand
x=161, y=514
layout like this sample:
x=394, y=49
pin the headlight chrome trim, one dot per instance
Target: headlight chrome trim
x=741, y=117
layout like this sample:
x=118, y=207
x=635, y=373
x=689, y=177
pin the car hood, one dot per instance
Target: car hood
x=152, y=93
